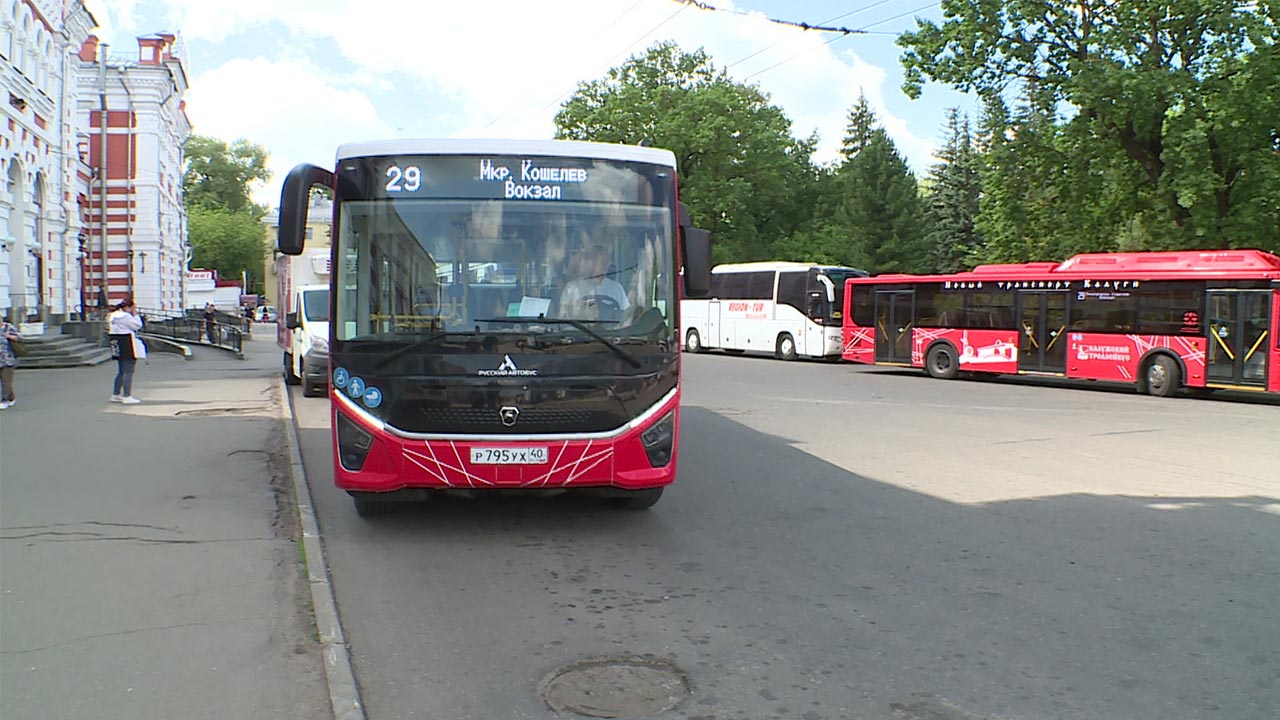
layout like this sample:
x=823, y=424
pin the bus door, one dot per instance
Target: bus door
x=818, y=293
x=895, y=318
x=713, y=325
x=1239, y=336
x=1042, y=323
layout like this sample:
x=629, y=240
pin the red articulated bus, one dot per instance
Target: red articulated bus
x=1160, y=320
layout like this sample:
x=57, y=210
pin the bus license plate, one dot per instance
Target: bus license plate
x=509, y=455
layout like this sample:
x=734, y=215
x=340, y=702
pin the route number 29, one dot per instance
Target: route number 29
x=407, y=179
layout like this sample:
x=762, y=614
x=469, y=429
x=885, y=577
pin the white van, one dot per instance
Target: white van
x=306, y=347
x=302, y=324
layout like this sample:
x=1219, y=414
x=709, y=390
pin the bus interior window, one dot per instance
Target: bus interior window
x=1119, y=321
x=861, y=305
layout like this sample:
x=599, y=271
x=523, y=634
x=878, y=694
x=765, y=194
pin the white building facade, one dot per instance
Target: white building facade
x=43, y=177
x=144, y=239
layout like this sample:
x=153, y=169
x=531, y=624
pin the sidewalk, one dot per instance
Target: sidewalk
x=149, y=557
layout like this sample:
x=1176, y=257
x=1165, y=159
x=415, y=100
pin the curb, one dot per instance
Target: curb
x=344, y=695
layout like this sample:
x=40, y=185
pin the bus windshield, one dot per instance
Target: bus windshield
x=838, y=276
x=413, y=267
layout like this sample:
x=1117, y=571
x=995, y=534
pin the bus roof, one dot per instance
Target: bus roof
x=775, y=265
x=1179, y=265
x=489, y=146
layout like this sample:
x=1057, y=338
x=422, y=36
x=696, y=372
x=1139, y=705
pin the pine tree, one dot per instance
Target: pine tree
x=881, y=211
x=951, y=208
x=862, y=125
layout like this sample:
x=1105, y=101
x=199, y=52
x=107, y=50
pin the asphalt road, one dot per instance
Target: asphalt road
x=850, y=542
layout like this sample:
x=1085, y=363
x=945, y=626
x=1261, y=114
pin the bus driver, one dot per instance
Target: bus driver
x=595, y=296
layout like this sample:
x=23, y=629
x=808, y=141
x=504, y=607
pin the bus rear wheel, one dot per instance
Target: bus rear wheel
x=786, y=347
x=692, y=341
x=1163, y=376
x=942, y=362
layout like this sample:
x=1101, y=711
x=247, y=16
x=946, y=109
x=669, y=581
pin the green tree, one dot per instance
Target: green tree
x=222, y=176
x=1022, y=179
x=224, y=225
x=860, y=127
x=951, y=206
x=881, y=213
x=1181, y=92
x=742, y=174
x=229, y=241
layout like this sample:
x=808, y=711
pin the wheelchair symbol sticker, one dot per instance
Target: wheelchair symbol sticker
x=341, y=377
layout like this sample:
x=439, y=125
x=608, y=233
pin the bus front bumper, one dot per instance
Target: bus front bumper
x=369, y=458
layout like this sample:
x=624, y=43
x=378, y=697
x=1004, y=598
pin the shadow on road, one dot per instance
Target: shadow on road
x=781, y=581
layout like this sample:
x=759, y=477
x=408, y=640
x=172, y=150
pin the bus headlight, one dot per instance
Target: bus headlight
x=659, y=439
x=353, y=443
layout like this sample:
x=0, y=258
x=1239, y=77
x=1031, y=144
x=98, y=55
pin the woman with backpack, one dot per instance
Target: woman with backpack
x=127, y=348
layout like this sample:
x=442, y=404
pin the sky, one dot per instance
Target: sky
x=301, y=77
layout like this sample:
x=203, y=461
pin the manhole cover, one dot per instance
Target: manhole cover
x=615, y=687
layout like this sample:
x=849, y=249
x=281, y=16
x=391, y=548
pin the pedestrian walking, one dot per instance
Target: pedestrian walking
x=127, y=348
x=210, y=322
x=8, y=361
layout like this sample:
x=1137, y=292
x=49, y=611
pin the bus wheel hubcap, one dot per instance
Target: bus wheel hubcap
x=1155, y=376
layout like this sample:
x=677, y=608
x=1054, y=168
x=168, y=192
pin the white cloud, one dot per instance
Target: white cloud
x=113, y=16
x=493, y=67
x=290, y=107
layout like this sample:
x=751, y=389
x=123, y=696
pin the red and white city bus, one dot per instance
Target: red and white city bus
x=1160, y=320
x=504, y=315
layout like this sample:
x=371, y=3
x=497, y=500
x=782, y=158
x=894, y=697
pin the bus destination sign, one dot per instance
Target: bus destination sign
x=530, y=178
x=532, y=181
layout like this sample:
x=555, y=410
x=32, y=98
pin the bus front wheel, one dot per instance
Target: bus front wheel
x=786, y=347
x=1163, y=376
x=692, y=341
x=370, y=505
x=942, y=362
x=641, y=499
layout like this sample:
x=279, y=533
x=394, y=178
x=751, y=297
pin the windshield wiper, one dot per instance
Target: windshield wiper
x=408, y=347
x=578, y=324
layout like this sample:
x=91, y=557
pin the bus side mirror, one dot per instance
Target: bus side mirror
x=291, y=321
x=295, y=198
x=697, y=262
x=695, y=246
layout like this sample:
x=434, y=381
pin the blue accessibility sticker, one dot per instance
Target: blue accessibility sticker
x=372, y=397
x=340, y=377
x=355, y=388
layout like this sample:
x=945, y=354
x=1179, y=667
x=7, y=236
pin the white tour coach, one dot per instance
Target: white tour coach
x=784, y=308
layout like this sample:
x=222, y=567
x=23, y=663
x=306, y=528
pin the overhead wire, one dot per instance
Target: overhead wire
x=865, y=30
x=824, y=22
x=629, y=48
x=615, y=21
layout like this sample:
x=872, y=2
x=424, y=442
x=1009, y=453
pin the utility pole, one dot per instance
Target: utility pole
x=103, y=294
